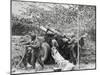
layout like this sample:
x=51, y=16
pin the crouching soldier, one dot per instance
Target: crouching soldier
x=36, y=52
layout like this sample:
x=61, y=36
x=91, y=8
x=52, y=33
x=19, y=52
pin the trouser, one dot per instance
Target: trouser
x=73, y=56
x=36, y=57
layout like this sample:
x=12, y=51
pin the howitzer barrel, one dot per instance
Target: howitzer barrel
x=43, y=28
x=51, y=30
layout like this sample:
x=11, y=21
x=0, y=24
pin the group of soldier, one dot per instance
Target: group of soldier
x=33, y=52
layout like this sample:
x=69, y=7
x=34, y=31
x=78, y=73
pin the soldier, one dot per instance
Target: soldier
x=33, y=52
x=36, y=52
x=49, y=36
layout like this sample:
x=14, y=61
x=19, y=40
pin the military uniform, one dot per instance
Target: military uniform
x=36, y=53
x=33, y=53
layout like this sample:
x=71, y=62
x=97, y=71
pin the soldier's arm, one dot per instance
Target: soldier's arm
x=26, y=43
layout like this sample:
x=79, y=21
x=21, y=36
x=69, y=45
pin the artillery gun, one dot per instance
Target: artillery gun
x=54, y=32
x=72, y=42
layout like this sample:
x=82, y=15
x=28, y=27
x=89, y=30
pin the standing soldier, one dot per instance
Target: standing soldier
x=36, y=52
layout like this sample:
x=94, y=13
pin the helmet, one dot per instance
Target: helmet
x=33, y=36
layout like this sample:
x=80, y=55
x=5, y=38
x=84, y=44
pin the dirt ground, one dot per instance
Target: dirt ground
x=52, y=68
x=47, y=68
